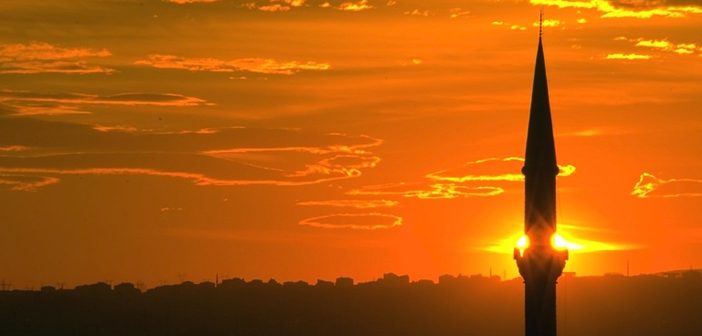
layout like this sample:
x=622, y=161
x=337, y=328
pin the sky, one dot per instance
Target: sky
x=160, y=141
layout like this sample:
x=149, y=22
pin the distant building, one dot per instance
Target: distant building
x=343, y=282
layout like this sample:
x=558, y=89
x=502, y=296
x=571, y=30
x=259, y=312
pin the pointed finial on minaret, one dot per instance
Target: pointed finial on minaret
x=541, y=23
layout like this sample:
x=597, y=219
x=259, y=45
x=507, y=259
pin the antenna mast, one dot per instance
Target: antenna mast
x=541, y=23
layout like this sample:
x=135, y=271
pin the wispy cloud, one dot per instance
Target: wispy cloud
x=631, y=56
x=662, y=44
x=13, y=148
x=511, y=26
x=278, y=5
x=500, y=169
x=417, y=12
x=610, y=9
x=20, y=182
x=256, y=65
x=17, y=176
x=547, y=23
x=354, y=221
x=42, y=57
x=426, y=190
x=257, y=161
x=38, y=103
x=665, y=45
x=184, y=2
x=477, y=178
x=47, y=110
x=274, y=8
x=583, y=133
x=651, y=186
x=357, y=204
x=355, y=6
x=457, y=12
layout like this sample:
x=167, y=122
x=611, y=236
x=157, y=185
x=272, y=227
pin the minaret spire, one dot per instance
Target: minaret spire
x=540, y=168
x=540, y=264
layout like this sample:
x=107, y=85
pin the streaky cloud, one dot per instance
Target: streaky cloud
x=649, y=186
x=261, y=159
x=611, y=10
x=42, y=57
x=357, y=204
x=354, y=221
x=629, y=57
x=185, y=2
x=462, y=174
x=426, y=190
x=355, y=6
x=27, y=102
x=254, y=65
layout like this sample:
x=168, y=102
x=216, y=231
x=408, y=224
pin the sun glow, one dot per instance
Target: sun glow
x=560, y=241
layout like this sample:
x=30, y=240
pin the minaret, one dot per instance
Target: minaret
x=540, y=264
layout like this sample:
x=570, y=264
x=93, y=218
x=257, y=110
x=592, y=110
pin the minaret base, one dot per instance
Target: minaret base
x=540, y=267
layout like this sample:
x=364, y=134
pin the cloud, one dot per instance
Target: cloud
x=357, y=204
x=42, y=57
x=506, y=169
x=458, y=12
x=662, y=44
x=14, y=148
x=47, y=110
x=426, y=190
x=274, y=8
x=355, y=6
x=200, y=179
x=206, y=157
x=21, y=182
x=583, y=133
x=25, y=103
x=632, y=56
x=184, y=2
x=651, y=186
x=417, y=12
x=685, y=48
x=468, y=180
x=500, y=23
x=611, y=9
x=359, y=221
x=547, y=23
x=255, y=65
x=665, y=45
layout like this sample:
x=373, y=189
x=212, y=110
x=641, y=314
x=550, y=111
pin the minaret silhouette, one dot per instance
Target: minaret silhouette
x=540, y=264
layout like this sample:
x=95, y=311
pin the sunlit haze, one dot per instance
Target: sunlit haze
x=157, y=141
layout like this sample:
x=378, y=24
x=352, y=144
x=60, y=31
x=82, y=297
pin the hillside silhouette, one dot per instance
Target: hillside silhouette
x=662, y=304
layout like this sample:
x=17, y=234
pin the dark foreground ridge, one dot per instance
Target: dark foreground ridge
x=663, y=304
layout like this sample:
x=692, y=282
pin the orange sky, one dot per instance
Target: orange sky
x=156, y=141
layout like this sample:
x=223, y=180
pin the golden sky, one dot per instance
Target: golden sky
x=159, y=140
